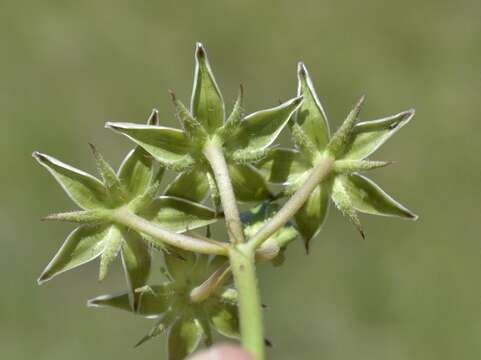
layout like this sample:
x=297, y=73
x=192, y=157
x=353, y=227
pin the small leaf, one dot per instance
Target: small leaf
x=85, y=190
x=190, y=185
x=368, y=136
x=207, y=104
x=179, y=215
x=184, y=337
x=136, y=172
x=311, y=116
x=260, y=129
x=341, y=139
x=84, y=244
x=112, y=244
x=341, y=198
x=282, y=165
x=368, y=197
x=136, y=261
x=225, y=319
x=312, y=214
x=248, y=183
x=168, y=146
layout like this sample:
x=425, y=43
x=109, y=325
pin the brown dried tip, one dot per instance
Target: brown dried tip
x=241, y=90
x=301, y=69
x=93, y=149
x=154, y=117
x=363, y=235
x=172, y=95
x=306, y=247
x=200, y=52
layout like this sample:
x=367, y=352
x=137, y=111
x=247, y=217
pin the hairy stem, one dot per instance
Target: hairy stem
x=317, y=175
x=215, y=157
x=250, y=312
x=126, y=217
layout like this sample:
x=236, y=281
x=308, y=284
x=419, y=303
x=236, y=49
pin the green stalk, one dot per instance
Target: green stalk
x=126, y=217
x=215, y=157
x=250, y=311
x=318, y=174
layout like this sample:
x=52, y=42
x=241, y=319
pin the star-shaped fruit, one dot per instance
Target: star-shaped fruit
x=134, y=186
x=244, y=140
x=348, y=148
x=188, y=305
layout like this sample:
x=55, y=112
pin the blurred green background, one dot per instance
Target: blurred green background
x=410, y=291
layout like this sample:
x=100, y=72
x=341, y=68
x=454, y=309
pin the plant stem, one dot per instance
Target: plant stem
x=125, y=217
x=250, y=312
x=317, y=175
x=215, y=157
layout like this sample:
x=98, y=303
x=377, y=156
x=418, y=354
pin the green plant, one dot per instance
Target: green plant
x=226, y=161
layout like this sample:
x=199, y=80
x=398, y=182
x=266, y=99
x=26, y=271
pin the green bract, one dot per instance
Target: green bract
x=187, y=319
x=244, y=140
x=134, y=186
x=348, y=148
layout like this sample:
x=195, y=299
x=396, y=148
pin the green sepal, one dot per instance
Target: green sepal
x=367, y=197
x=303, y=142
x=153, y=301
x=250, y=156
x=112, y=245
x=136, y=172
x=179, y=215
x=341, y=139
x=191, y=126
x=184, y=338
x=168, y=146
x=351, y=166
x=84, y=189
x=233, y=121
x=83, y=244
x=260, y=129
x=311, y=216
x=249, y=184
x=190, y=185
x=225, y=319
x=282, y=166
x=343, y=201
x=160, y=327
x=368, y=136
x=109, y=177
x=311, y=116
x=79, y=217
x=179, y=265
x=136, y=262
x=207, y=105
